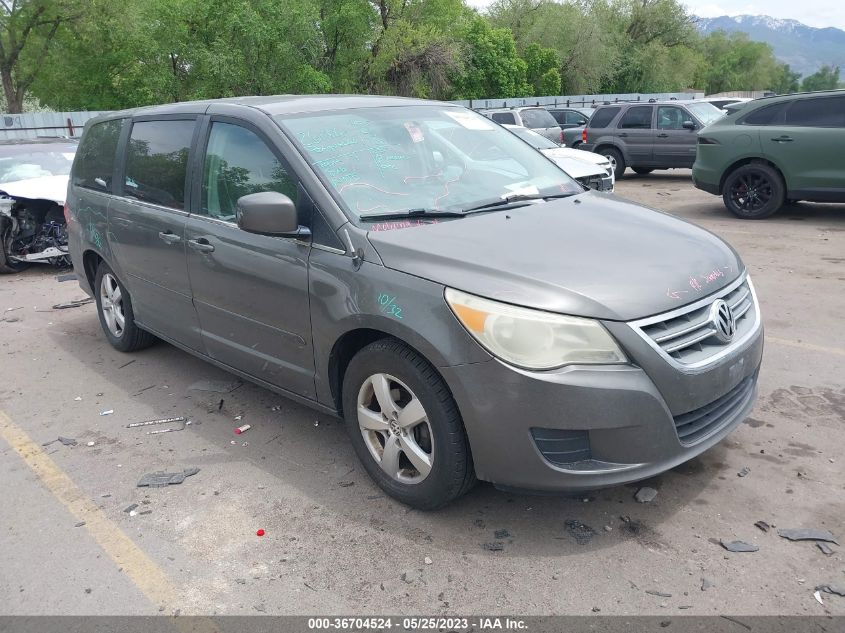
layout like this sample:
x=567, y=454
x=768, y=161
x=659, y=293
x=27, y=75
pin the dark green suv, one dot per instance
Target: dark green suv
x=775, y=150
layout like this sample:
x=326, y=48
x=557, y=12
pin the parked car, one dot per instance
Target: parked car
x=775, y=149
x=33, y=184
x=468, y=317
x=537, y=119
x=574, y=136
x=648, y=136
x=723, y=102
x=591, y=170
x=571, y=117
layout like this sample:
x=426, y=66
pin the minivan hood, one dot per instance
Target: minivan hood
x=592, y=255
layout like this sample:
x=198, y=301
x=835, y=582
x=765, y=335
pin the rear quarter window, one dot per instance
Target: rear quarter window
x=603, y=117
x=768, y=115
x=94, y=163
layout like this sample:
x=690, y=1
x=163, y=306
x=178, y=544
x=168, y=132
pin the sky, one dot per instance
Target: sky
x=818, y=13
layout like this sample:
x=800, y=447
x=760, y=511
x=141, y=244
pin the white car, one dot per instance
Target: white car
x=591, y=170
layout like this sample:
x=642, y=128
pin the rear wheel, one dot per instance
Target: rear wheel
x=405, y=426
x=6, y=265
x=754, y=192
x=114, y=307
x=617, y=162
x=642, y=171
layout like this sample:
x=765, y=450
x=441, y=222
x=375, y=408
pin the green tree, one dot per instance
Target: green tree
x=825, y=78
x=786, y=80
x=543, y=69
x=734, y=62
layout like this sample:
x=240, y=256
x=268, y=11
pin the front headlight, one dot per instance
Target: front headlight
x=531, y=338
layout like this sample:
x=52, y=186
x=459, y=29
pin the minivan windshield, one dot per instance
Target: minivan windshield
x=706, y=112
x=387, y=160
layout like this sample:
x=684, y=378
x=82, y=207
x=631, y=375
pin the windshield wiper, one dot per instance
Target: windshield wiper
x=413, y=213
x=515, y=200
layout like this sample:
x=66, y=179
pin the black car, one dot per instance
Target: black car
x=571, y=117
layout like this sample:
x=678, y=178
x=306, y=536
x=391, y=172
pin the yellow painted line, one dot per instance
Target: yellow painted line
x=138, y=567
x=807, y=346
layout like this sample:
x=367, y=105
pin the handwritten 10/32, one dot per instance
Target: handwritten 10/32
x=388, y=305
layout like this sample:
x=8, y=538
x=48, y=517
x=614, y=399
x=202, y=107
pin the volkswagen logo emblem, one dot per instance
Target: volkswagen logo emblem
x=723, y=321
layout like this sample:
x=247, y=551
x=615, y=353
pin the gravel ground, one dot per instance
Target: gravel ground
x=334, y=543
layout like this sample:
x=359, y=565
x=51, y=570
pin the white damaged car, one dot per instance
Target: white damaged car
x=591, y=170
x=33, y=184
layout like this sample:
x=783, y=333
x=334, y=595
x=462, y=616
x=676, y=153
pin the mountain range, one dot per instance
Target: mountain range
x=804, y=48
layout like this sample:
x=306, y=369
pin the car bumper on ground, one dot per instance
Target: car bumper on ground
x=587, y=427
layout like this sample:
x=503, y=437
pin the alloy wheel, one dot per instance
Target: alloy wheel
x=751, y=191
x=111, y=305
x=395, y=428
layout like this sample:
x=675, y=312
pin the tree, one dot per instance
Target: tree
x=27, y=31
x=786, y=81
x=734, y=62
x=542, y=71
x=825, y=78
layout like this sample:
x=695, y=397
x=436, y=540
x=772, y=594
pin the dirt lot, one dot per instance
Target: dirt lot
x=335, y=543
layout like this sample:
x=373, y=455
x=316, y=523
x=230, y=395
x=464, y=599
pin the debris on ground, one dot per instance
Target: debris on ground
x=825, y=548
x=427, y=560
x=765, y=527
x=660, y=594
x=345, y=484
x=218, y=386
x=645, y=494
x=739, y=546
x=316, y=423
x=707, y=584
x=259, y=532
x=90, y=444
x=73, y=304
x=500, y=534
x=807, y=534
x=80, y=524
x=607, y=528
x=160, y=478
x=242, y=429
x=67, y=441
x=260, y=608
x=818, y=596
x=495, y=546
x=129, y=509
x=581, y=532
x=107, y=412
x=66, y=277
x=743, y=472
x=411, y=576
x=838, y=590
x=177, y=419
x=78, y=398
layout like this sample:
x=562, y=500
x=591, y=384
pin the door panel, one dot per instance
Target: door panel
x=147, y=228
x=674, y=146
x=636, y=133
x=250, y=291
x=808, y=144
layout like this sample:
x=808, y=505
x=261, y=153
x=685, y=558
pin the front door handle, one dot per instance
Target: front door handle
x=783, y=139
x=201, y=244
x=622, y=134
x=663, y=135
x=169, y=237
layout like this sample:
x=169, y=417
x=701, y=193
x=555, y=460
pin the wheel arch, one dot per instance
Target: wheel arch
x=90, y=262
x=750, y=160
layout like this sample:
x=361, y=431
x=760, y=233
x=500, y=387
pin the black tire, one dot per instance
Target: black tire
x=642, y=171
x=131, y=338
x=754, y=191
x=615, y=157
x=452, y=473
x=7, y=267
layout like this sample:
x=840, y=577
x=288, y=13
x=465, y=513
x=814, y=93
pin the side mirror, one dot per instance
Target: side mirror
x=688, y=125
x=269, y=213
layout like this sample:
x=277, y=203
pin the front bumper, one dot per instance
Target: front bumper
x=513, y=416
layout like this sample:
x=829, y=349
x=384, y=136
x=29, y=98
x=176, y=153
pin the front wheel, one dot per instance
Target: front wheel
x=753, y=192
x=114, y=307
x=405, y=426
x=617, y=161
x=8, y=266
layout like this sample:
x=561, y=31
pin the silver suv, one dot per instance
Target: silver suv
x=648, y=136
x=538, y=119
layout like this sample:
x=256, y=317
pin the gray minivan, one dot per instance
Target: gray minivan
x=466, y=307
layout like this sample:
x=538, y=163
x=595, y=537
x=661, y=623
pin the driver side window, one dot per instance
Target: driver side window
x=238, y=163
x=671, y=118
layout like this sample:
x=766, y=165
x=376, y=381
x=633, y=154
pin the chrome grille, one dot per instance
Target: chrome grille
x=688, y=337
x=698, y=424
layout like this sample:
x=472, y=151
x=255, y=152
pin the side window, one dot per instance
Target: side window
x=671, y=118
x=537, y=118
x=575, y=118
x=94, y=162
x=603, y=117
x=637, y=118
x=559, y=115
x=769, y=115
x=238, y=163
x=157, y=160
x=821, y=112
x=504, y=117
